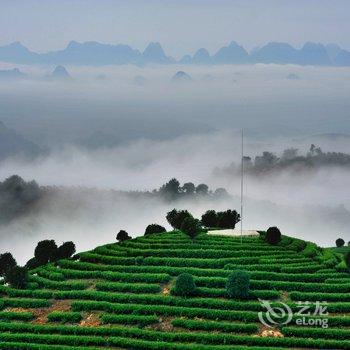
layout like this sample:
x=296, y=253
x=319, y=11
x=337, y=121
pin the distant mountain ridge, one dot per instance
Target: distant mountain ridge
x=95, y=53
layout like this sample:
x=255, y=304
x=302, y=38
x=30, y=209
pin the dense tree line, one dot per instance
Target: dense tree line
x=173, y=190
x=16, y=196
x=46, y=251
x=289, y=159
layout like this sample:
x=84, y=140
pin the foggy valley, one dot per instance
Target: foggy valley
x=102, y=130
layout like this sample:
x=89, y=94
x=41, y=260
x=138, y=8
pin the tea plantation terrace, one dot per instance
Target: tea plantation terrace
x=120, y=296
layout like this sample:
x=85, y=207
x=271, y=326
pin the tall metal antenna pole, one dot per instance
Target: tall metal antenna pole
x=242, y=170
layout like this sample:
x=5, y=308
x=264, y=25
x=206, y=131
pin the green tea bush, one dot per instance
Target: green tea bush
x=26, y=302
x=237, y=285
x=138, y=320
x=18, y=316
x=128, y=287
x=64, y=317
x=215, y=326
x=184, y=285
x=302, y=296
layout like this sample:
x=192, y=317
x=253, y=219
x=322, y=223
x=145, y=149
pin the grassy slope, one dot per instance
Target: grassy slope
x=341, y=250
x=117, y=296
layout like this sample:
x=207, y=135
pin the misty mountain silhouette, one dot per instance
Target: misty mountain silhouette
x=180, y=77
x=60, y=73
x=276, y=53
x=95, y=53
x=154, y=53
x=202, y=56
x=10, y=74
x=17, y=53
x=231, y=54
x=12, y=144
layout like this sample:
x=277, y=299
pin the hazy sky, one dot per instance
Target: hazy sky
x=181, y=26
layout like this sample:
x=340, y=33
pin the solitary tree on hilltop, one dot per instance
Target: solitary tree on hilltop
x=339, y=242
x=273, y=235
x=154, y=228
x=122, y=236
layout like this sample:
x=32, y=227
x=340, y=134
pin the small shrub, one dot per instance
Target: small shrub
x=339, y=242
x=122, y=236
x=17, y=277
x=237, y=285
x=154, y=228
x=184, y=285
x=7, y=261
x=190, y=227
x=273, y=235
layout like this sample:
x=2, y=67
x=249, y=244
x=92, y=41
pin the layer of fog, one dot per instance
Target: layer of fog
x=106, y=101
x=313, y=206
x=161, y=130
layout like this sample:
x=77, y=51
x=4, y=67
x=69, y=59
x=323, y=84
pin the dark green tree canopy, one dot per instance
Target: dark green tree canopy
x=65, y=251
x=210, y=218
x=273, y=235
x=16, y=195
x=228, y=219
x=7, y=261
x=122, y=236
x=45, y=251
x=188, y=188
x=176, y=218
x=191, y=227
x=202, y=189
x=17, y=277
x=154, y=228
x=339, y=242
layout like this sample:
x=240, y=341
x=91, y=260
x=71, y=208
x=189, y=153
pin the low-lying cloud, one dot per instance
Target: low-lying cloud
x=105, y=132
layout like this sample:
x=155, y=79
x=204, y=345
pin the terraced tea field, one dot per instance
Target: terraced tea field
x=118, y=296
